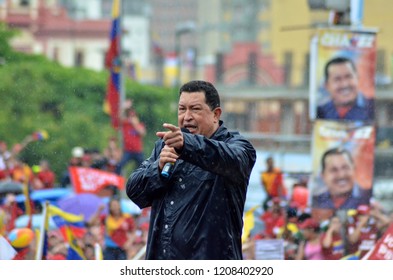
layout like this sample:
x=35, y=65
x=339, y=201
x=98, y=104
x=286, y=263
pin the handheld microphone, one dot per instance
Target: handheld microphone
x=168, y=167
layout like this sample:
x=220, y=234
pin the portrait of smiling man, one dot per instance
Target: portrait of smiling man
x=338, y=175
x=346, y=101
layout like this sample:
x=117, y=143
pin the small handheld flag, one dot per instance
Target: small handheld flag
x=40, y=135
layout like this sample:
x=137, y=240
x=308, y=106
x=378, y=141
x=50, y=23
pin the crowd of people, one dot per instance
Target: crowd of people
x=348, y=233
x=345, y=235
x=118, y=235
x=196, y=212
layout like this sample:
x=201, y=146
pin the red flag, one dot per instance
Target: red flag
x=113, y=63
x=383, y=249
x=90, y=180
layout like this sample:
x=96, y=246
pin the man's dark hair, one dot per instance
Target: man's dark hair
x=338, y=60
x=211, y=94
x=335, y=151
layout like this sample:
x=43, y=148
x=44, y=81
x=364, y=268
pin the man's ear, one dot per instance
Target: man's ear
x=217, y=113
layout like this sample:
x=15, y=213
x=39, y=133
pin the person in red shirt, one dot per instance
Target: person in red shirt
x=112, y=154
x=133, y=130
x=44, y=178
x=364, y=232
x=9, y=212
x=119, y=230
x=273, y=218
x=333, y=246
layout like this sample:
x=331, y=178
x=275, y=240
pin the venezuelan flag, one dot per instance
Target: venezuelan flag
x=74, y=250
x=113, y=63
x=72, y=227
x=354, y=256
x=64, y=219
x=338, y=246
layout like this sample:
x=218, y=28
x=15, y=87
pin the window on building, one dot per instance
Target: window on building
x=288, y=57
x=306, y=77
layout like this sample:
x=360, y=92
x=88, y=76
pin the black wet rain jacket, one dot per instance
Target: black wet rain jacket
x=197, y=212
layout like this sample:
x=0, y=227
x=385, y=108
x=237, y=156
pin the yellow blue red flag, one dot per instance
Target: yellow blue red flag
x=72, y=227
x=113, y=64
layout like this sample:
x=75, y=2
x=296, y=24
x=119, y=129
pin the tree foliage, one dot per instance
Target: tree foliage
x=37, y=94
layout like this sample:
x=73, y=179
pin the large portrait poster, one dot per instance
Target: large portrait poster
x=342, y=75
x=342, y=166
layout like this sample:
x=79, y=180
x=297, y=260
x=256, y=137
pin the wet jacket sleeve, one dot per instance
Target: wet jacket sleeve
x=232, y=157
x=145, y=183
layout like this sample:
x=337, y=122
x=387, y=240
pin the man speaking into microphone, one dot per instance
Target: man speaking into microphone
x=197, y=204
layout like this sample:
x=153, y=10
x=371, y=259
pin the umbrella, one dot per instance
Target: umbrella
x=50, y=195
x=85, y=204
x=11, y=187
x=23, y=220
x=127, y=206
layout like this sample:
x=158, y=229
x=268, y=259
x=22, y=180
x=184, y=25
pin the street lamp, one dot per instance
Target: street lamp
x=181, y=29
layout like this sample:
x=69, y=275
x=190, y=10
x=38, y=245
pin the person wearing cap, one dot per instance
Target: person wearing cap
x=338, y=174
x=75, y=160
x=364, y=232
x=310, y=248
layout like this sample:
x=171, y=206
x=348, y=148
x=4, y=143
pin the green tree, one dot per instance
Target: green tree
x=37, y=94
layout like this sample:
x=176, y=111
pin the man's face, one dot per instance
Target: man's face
x=195, y=115
x=342, y=83
x=339, y=174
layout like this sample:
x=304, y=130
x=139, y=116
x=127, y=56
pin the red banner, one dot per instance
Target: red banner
x=90, y=180
x=383, y=250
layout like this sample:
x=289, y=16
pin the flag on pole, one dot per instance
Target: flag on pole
x=28, y=203
x=42, y=247
x=113, y=64
x=98, y=255
x=65, y=221
x=72, y=227
x=75, y=252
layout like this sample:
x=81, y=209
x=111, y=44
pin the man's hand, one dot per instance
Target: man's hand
x=167, y=154
x=172, y=138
